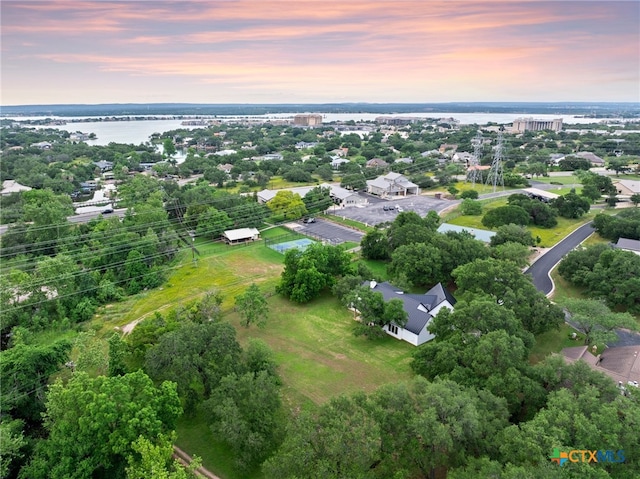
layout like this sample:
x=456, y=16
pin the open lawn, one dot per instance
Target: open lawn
x=318, y=355
x=196, y=439
x=548, y=236
x=553, y=342
x=219, y=266
x=564, y=180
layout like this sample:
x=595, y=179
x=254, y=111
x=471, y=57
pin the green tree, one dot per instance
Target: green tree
x=512, y=233
x=307, y=273
x=342, y=440
x=168, y=148
x=196, y=357
x=155, y=459
x=25, y=370
x=513, y=290
x=470, y=207
x=596, y=321
x=92, y=424
x=287, y=205
x=317, y=200
x=374, y=245
x=212, y=223
x=635, y=199
x=571, y=205
x=252, y=306
x=355, y=181
x=469, y=194
x=246, y=411
x=117, y=353
x=504, y=215
x=511, y=251
x=12, y=446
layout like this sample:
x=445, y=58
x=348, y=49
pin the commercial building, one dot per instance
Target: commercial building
x=521, y=125
x=307, y=120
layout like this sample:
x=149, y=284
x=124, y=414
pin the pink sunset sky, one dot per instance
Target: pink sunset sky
x=300, y=51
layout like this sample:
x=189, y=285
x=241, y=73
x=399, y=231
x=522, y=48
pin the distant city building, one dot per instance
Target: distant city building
x=521, y=125
x=307, y=120
x=396, y=120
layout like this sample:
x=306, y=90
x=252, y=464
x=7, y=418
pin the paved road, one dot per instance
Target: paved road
x=540, y=272
x=540, y=269
x=82, y=217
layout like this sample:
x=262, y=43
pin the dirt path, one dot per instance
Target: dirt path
x=185, y=459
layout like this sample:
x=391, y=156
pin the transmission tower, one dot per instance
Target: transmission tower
x=474, y=174
x=496, y=176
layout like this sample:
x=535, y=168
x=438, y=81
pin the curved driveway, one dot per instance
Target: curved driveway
x=542, y=267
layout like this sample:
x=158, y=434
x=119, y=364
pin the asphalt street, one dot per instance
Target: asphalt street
x=540, y=269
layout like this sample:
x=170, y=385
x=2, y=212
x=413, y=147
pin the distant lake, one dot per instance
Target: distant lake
x=137, y=132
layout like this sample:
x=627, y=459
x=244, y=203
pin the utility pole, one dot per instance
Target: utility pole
x=496, y=174
x=474, y=174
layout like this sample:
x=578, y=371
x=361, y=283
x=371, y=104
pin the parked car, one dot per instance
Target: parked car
x=399, y=209
x=309, y=220
x=107, y=211
x=387, y=207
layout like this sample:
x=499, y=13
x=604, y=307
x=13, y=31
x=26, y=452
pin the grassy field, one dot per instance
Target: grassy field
x=347, y=222
x=548, y=236
x=552, y=342
x=565, y=180
x=219, y=266
x=318, y=354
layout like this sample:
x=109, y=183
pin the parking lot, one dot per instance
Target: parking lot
x=373, y=213
x=328, y=231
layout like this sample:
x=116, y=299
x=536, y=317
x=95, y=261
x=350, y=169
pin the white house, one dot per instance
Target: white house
x=340, y=196
x=241, y=235
x=12, y=186
x=336, y=161
x=420, y=308
x=392, y=184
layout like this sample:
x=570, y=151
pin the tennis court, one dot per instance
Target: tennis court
x=301, y=244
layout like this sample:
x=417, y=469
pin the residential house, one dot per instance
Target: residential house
x=12, y=186
x=420, y=309
x=342, y=152
x=406, y=161
x=303, y=145
x=376, y=163
x=462, y=157
x=240, y=235
x=43, y=145
x=392, y=184
x=595, y=160
x=620, y=363
x=226, y=167
x=336, y=161
x=104, y=165
x=225, y=152
x=628, y=187
x=448, y=149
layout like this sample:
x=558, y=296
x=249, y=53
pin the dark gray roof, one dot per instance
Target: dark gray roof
x=628, y=244
x=416, y=318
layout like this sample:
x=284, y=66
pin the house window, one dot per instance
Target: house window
x=393, y=329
